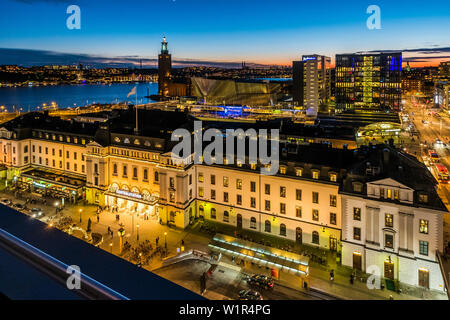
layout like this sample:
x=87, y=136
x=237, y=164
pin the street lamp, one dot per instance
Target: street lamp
x=121, y=233
x=137, y=232
x=56, y=207
x=165, y=240
x=111, y=245
x=81, y=210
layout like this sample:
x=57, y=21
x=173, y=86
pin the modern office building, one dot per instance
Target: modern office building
x=442, y=95
x=164, y=69
x=311, y=79
x=376, y=202
x=369, y=81
x=444, y=71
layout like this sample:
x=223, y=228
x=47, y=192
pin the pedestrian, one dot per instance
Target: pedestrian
x=182, y=242
x=109, y=230
x=98, y=218
x=157, y=240
x=331, y=275
x=352, y=277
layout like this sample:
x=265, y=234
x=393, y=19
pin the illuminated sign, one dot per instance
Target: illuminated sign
x=129, y=194
x=308, y=58
x=40, y=185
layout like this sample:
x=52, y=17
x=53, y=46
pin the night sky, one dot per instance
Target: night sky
x=263, y=31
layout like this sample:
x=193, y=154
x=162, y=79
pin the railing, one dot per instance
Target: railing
x=90, y=288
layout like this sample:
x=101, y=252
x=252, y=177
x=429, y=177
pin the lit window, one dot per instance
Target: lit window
x=423, y=226
x=298, y=172
x=283, y=170
x=389, y=220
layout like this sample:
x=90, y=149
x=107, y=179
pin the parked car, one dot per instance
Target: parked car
x=260, y=281
x=250, y=295
x=37, y=213
x=18, y=206
x=6, y=201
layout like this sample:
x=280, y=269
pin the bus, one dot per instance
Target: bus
x=434, y=157
x=441, y=172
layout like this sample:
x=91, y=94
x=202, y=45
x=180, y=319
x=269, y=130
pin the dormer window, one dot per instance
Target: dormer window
x=298, y=172
x=423, y=198
x=137, y=142
x=333, y=177
x=253, y=166
x=282, y=170
x=116, y=139
x=147, y=143
x=357, y=187
x=126, y=140
x=315, y=174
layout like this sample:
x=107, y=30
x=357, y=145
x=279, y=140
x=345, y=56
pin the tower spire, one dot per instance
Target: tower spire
x=164, y=49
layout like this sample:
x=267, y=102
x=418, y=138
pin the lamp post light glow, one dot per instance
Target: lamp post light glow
x=165, y=240
x=56, y=207
x=81, y=210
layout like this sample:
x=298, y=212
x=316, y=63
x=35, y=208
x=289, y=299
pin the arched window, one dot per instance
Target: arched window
x=282, y=229
x=267, y=226
x=253, y=223
x=213, y=213
x=226, y=216
x=315, y=237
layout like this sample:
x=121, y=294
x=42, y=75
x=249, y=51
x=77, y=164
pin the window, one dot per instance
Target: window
x=298, y=194
x=333, y=177
x=60, y=152
x=315, y=215
x=156, y=176
x=190, y=193
x=53, y=151
x=298, y=172
x=298, y=212
x=315, y=237
x=423, y=226
x=282, y=170
x=46, y=150
x=396, y=194
x=267, y=188
x=226, y=216
x=389, y=240
x=135, y=173
x=282, y=229
x=225, y=197
x=382, y=193
x=114, y=169
x=95, y=168
x=283, y=192
x=213, y=194
x=252, y=202
x=75, y=167
x=389, y=220
x=283, y=208
x=332, y=218
x=333, y=200
x=145, y=174
x=75, y=156
x=171, y=182
x=213, y=213
x=423, y=198
x=172, y=196
x=60, y=165
x=315, y=174
x=357, y=214
x=267, y=226
x=96, y=181
x=67, y=154
x=225, y=181
x=190, y=179
x=33, y=148
x=213, y=179
x=40, y=149
x=267, y=205
x=423, y=247
x=252, y=186
x=356, y=233
x=239, y=184
x=200, y=192
x=315, y=197
x=252, y=223
x=124, y=171
x=82, y=168
x=239, y=199
x=68, y=166
x=200, y=177
x=253, y=166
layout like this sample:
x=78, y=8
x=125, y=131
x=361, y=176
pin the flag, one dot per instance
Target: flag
x=133, y=91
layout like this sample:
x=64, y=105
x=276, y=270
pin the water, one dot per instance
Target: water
x=30, y=98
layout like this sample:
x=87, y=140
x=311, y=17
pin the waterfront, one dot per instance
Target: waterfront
x=33, y=98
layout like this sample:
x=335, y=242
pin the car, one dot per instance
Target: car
x=6, y=201
x=18, y=206
x=36, y=212
x=250, y=295
x=260, y=281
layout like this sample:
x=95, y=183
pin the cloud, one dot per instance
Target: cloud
x=28, y=57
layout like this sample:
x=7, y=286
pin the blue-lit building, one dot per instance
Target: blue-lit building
x=369, y=81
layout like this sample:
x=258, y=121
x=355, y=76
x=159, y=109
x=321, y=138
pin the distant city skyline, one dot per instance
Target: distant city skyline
x=218, y=33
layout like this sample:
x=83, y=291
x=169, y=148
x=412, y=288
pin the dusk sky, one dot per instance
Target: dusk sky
x=263, y=31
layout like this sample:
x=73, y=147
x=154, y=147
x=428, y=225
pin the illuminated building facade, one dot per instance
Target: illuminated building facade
x=311, y=82
x=311, y=200
x=164, y=69
x=368, y=81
